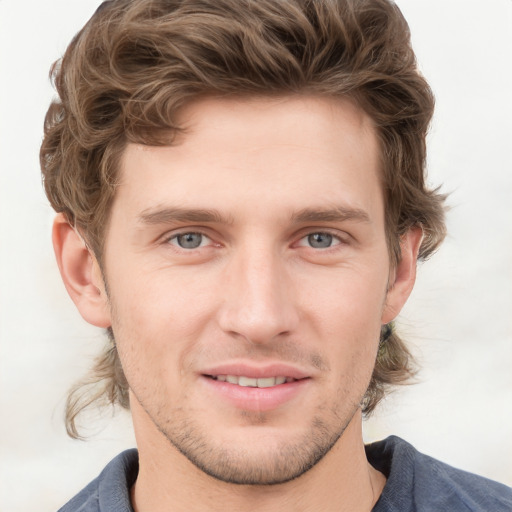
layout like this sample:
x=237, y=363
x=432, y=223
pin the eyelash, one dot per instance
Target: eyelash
x=185, y=233
x=335, y=237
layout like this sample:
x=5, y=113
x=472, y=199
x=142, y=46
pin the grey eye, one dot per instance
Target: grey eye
x=320, y=240
x=189, y=240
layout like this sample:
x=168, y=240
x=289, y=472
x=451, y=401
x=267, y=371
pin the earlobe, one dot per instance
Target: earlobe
x=404, y=275
x=81, y=273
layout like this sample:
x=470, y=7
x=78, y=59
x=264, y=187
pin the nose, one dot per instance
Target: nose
x=258, y=297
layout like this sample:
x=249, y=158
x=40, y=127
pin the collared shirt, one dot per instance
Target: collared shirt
x=415, y=483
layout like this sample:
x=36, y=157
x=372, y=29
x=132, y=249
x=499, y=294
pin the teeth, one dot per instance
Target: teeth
x=247, y=382
x=243, y=381
x=266, y=383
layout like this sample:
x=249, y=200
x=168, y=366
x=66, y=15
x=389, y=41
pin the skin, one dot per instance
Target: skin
x=275, y=176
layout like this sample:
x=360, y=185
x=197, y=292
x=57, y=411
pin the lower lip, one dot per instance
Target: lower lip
x=256, y=399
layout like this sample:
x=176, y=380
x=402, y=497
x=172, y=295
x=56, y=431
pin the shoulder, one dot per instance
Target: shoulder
x=419, y=482
x=110, y=491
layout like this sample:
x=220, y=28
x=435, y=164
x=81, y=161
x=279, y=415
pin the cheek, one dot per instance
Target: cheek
x=157, y=320
x=344, y=314
x=160, y=298
x=347, y=300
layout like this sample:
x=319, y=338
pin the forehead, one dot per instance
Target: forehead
x=271, y=152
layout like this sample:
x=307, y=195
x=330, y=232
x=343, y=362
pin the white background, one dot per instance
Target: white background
x=459, y=319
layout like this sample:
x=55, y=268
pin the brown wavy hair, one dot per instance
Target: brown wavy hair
x=126, y=74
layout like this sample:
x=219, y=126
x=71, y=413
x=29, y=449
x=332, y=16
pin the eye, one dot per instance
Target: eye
x=319, y=240
x=189, y=240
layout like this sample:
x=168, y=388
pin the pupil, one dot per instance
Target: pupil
x=190, y=240
x=320, y=240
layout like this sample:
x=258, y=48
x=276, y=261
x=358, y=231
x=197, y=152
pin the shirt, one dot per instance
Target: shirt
x=415, y=483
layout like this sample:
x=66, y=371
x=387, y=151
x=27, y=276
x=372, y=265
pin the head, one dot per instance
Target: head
x=136, y=72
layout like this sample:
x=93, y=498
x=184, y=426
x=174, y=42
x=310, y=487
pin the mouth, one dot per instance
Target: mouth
x=261, y=390
x=255, y=387
x=252, y=382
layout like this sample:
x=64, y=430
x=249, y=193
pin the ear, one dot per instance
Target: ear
x=81, y=273
x=403, y=277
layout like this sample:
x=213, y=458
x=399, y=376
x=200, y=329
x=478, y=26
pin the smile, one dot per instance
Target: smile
x=255, y=389
x=250, y=382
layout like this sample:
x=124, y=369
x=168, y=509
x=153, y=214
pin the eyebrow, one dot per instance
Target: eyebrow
x=336, y=214
x=170, y=215
x=200, y=215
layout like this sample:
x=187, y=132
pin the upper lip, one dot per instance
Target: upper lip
x=256, y=371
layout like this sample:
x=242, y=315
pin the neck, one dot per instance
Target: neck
x=342, y=481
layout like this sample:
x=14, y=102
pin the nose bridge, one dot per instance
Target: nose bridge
x=258, y=301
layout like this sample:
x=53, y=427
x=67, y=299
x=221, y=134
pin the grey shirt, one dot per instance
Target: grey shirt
x=415, y=483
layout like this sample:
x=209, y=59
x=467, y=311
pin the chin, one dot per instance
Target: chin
x=256, y=454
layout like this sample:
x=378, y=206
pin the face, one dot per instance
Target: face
x=247, y=272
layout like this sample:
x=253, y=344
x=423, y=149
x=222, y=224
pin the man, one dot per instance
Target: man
x=241, y=204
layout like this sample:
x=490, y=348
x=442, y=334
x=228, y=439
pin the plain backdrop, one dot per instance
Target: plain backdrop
x=459, y=319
